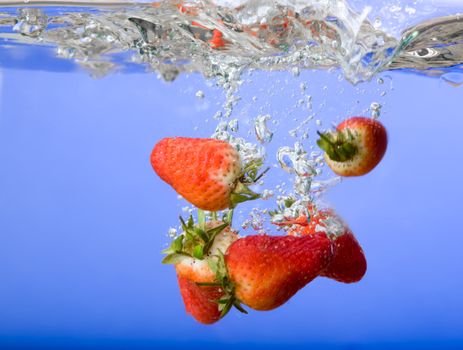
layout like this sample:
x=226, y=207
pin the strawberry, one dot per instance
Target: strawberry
x=268, y=270
x=195, y=254
x=200, y=301
x=206, y=172
x=356, y=147
x=348, y=264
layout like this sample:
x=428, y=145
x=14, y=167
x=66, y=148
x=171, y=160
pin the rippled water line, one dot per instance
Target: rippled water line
x=99, y=3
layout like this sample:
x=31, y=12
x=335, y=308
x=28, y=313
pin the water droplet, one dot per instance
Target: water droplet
x=199, y=94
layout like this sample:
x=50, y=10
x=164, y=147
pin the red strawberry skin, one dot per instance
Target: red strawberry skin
x=348, y=264
x=371, y=142
x=203, y=171
x=200, y=300
x=268, y=270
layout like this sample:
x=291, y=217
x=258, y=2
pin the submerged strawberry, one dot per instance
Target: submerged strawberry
x=356, y=147
x=348, y=264
x=197, y=256
x=268, y=270
x=208, y=173
x=200, y=301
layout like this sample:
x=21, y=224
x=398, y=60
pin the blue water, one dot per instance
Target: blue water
x=83, y=217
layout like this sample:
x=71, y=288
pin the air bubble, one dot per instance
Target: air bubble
x=263, y=134
x=172, y=232
x=375, y=109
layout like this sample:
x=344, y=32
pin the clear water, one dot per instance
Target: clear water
x=83, y=218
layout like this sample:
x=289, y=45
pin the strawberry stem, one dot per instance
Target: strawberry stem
x=339, y=145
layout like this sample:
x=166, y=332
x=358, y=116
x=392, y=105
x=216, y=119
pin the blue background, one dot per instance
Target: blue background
x=83, y=217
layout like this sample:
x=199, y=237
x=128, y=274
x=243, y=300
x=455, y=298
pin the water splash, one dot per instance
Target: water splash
x=221, y=40
x=31, y=22
x=217, y=41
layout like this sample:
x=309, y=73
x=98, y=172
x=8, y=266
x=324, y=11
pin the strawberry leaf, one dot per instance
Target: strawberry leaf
x=241, y=194
x=173, y=259
x=228, y=217
x=209, y=284
x=191, y=222
x=198, y=252
x=201, y=234
x=212, y=233
x=176, y=246
x=239, y=307
x=182, y=222
x=213, y=265
x=338, y=145
x=226, y=307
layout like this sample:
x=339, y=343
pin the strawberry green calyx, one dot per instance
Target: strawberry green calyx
x=196, y=240
x=222, y=280
x=338, y=145
x=242, y=193
x=249, y=176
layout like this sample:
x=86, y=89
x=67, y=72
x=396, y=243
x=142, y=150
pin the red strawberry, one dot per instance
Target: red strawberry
x=193, y=253
x=268, y=270
x=200, y=301
x=356, y=147
x=348, y=264
x=206, y=172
